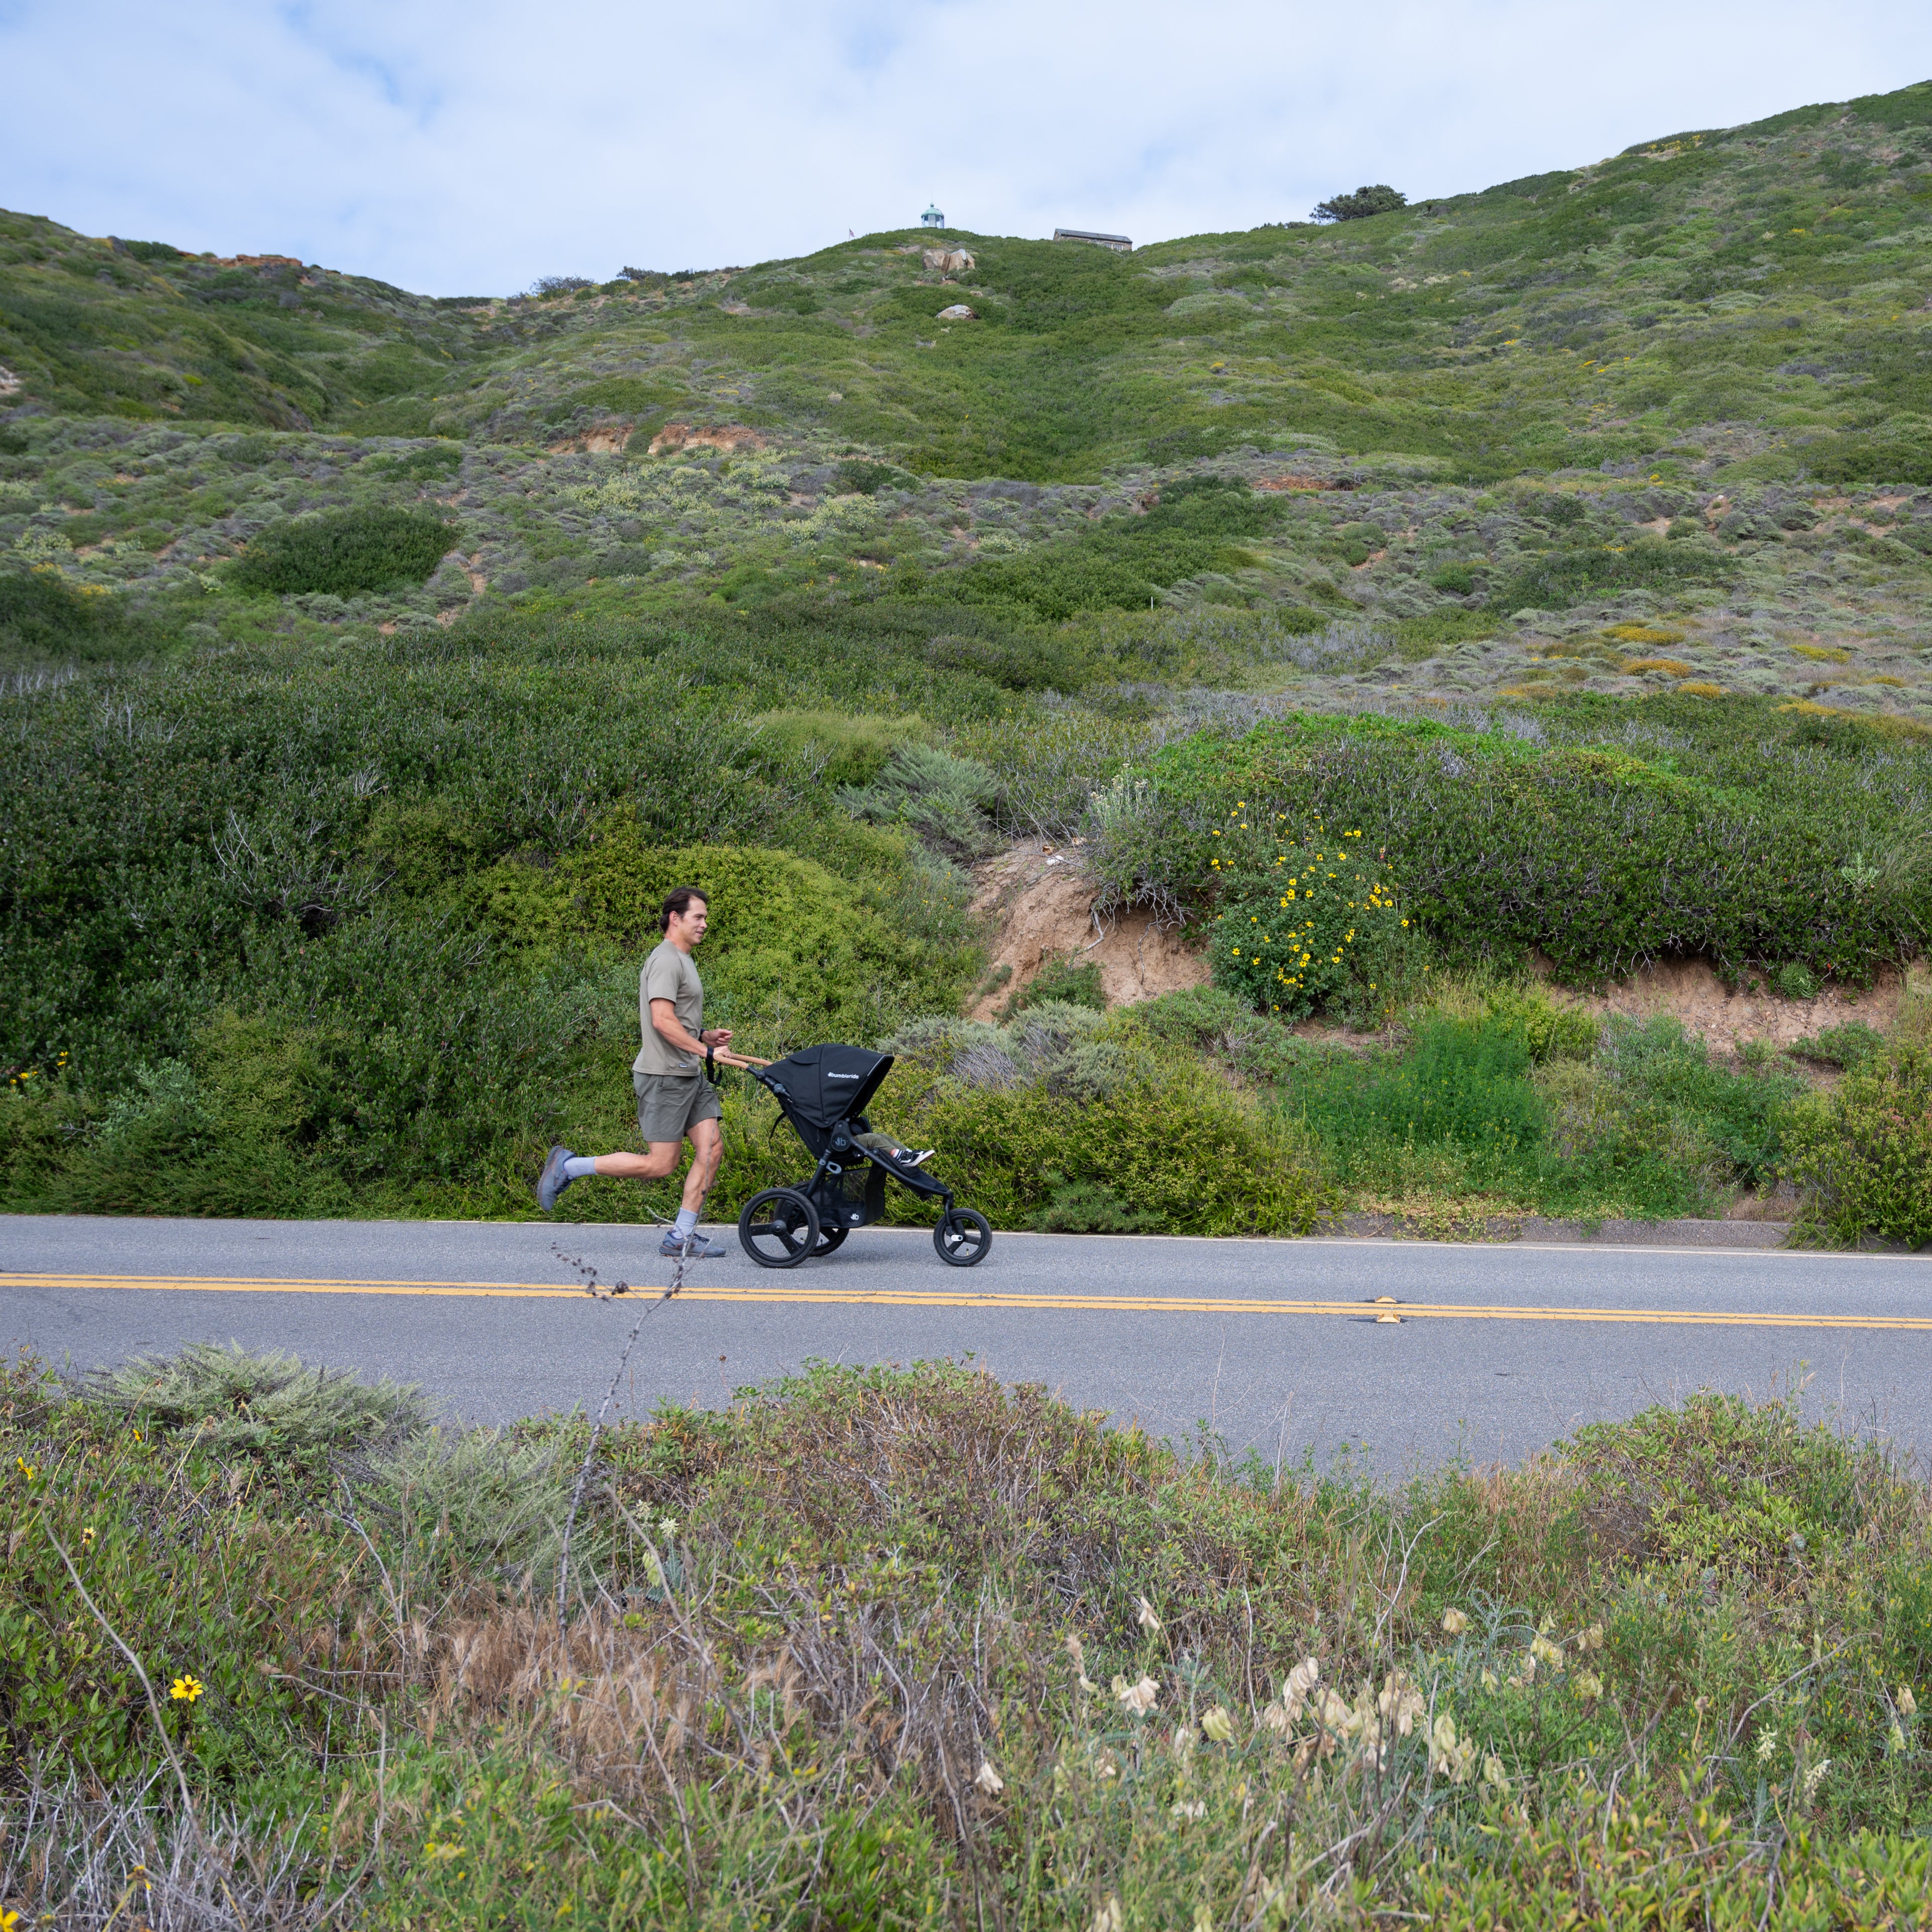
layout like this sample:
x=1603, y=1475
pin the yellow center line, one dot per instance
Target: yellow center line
x=864, y=1297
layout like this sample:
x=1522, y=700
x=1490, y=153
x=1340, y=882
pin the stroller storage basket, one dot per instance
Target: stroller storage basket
x=823, y=1091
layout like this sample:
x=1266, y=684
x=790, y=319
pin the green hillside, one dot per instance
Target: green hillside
x=345, y=628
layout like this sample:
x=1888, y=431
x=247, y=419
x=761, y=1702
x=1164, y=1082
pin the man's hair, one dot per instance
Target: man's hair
x=677, y=903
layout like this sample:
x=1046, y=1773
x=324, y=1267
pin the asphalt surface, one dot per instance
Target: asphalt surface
x=1273, y=1346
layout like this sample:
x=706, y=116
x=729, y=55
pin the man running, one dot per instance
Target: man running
x=675, y=1103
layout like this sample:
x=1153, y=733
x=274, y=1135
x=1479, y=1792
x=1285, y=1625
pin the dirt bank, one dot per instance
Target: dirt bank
x=1690, y=991
x=1044, y=904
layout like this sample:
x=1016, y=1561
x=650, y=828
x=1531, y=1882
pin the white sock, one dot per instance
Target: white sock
x=687, y=1222
x=580, y=1167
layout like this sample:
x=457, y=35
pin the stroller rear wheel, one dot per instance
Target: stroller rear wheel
x=962, y=1238
x=779, y=1228
x=830, y=1239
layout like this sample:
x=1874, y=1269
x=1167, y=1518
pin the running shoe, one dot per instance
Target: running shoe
x=553, y=1180
x=694, y=1248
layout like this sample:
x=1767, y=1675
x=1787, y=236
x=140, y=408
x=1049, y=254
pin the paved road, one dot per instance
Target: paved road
x=1274, y=1345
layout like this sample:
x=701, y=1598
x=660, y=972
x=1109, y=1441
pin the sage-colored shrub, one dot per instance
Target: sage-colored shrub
x=1117, y=1127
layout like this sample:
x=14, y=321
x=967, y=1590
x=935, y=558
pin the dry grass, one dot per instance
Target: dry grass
x=84, y=1860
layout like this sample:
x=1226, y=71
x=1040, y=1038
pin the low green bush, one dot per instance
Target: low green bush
x=845, y=748
x=44, y=620
x=1100, y=1116
x=1070, y=983
x=344, y=552
x=1864, y=1153
x=1569, y=576
x=1601, y=859
x=792, y=951
x=1122, y=562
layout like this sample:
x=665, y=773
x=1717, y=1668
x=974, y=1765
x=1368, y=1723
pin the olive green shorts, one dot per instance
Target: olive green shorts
x=670, y=1105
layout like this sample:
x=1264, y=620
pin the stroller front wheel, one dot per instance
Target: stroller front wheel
x=778, y=1228
x=962, y=1238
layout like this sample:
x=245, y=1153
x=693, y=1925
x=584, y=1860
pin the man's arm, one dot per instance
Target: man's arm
x=672, y=1030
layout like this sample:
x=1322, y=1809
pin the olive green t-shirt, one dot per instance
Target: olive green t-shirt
x=671, y=975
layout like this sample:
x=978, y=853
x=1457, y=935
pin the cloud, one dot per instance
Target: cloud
x=466, y=149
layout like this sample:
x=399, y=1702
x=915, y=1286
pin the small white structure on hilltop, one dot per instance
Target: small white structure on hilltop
x=1118, y=243
x=932, y=218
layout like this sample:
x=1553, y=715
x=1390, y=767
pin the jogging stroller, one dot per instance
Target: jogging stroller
x=822, y=1090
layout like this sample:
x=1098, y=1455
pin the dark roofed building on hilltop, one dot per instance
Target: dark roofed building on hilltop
x=1119, y=243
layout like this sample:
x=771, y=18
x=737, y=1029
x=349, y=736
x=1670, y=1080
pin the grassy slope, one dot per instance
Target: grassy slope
x=1646, y=429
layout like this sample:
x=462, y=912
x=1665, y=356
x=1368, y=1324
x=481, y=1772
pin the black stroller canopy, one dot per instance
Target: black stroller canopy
x=819, y=1086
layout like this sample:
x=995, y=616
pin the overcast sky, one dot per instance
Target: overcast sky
x=465, y=148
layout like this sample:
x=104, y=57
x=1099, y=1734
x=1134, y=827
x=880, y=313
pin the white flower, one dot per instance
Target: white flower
x=1108, y=1919
x=1138, y=1698
x=1147, y=1619
x=1219, y=1727
x=1494, y=1774
x=1077, y=1652
x=1184, y=1811
x=1588, y=1685
x=989, y=1780
x=1591, y=1638
x=1815, y=1776
x=1767, y=1743
x=668, y=1527
x=1455, y=1622
x=1448, y=1753
x=1301, y=1680
x=1907, y=1703
x=1896, y=1742
x=1542, y=1651
x=1400, y=1703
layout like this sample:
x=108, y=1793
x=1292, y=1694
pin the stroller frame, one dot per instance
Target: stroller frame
x=823, y=1092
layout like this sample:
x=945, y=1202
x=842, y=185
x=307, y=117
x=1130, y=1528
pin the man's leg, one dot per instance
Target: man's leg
x=563, y=1167
x=707, y=1149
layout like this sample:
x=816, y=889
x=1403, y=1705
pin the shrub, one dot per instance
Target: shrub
x=1599, y=859
x=1122, y=562
x=1067, y=982
x=944, y=799
x=45, y=618
x=792, y=951
x=1568, y=576
x=846, y=747
x=429, y=463
x=1864, y=1153
x=1063, y=1105
x=343, y=552
x=1311, y=925
x=1380, y=199
x=859, y=478
x=1018, y=664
